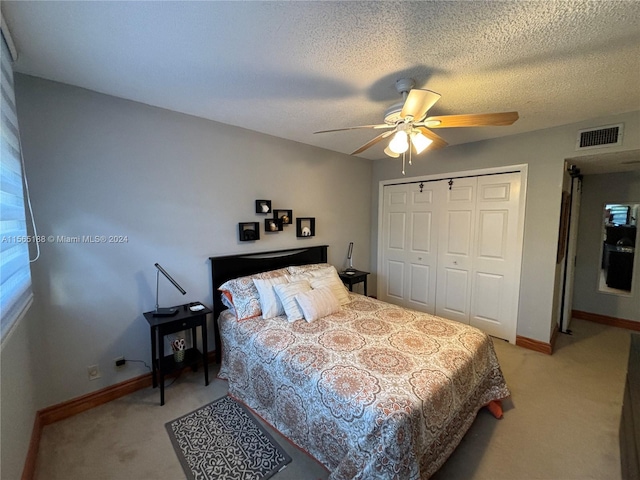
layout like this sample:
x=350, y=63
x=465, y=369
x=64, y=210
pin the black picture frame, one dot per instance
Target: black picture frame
x=249, y=231
x=285, y=215
x=305, y=227
x=260, y=206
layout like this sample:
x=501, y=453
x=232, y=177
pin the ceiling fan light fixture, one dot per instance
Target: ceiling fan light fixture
x=420, y=142
x=399, y=143
x=390, y=153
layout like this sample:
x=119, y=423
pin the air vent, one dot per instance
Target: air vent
x=600, y=137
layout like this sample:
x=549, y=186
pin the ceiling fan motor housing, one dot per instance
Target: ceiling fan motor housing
x=404, y=85
x=392, y=114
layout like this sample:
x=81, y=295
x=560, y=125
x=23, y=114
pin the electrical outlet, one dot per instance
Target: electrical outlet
x=93, y=372
x=119, y=362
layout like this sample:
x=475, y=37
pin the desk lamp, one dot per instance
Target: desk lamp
x=165, y=312
x=349, y=256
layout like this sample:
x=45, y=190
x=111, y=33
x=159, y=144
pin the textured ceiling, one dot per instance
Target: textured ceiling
x=291, y=68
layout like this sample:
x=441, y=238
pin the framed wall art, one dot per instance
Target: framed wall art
x=263, y=206
x=249, y=231
x=305, y=226
x=285, y=215
x=272, y=225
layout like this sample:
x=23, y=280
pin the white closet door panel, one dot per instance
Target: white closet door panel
x=420, y=284
x=495, y=192
x=492, y=234
x=455, y=304
x=398, y=198
x=395, y=284
x=396, y=232
x=410, y=245
x=421, y=232
x=487, y=296
x=496, y=284
x=462, y=191
x=459, y=225
x=455, y=250
x=426, y=196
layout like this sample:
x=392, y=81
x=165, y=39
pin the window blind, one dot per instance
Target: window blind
x=15, y=273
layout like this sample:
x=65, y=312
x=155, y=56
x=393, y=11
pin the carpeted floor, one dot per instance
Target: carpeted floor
x=561, y=422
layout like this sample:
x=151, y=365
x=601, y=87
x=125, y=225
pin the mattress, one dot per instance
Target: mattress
x=372, y=391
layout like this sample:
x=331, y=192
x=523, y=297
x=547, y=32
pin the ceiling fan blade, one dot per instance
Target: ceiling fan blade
x=438, y=141
x=382, y=125
x=473, y=120
x=418, y=102
x=371, y=143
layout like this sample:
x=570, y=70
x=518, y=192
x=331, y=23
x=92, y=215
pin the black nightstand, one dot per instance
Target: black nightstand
x=353, y=277
x=185, y=319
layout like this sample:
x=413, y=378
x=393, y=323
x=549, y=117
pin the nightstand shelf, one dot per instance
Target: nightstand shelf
x=192, y=357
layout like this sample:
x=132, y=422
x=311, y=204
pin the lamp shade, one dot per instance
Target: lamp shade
x=390, y=153
x=399, y=143
x=420, y=142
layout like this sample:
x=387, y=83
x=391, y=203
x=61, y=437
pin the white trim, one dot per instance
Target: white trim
x=522, y=168
x=16, y=322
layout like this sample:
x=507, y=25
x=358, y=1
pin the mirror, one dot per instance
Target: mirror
x=619, y=240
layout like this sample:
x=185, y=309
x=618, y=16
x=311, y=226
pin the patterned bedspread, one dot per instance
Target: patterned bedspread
x=373, y=392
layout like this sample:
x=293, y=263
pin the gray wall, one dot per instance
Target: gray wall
x=596, y=191
x=176, y=186
x=544, y=152
x=23, y=373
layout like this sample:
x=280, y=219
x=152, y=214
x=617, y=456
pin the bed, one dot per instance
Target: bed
x=372, y=390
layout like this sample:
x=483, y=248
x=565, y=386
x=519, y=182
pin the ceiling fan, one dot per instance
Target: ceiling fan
x=407, y=121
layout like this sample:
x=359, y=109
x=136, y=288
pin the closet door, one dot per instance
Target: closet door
x=496, y=256
x=410, y=244
x=455, y=250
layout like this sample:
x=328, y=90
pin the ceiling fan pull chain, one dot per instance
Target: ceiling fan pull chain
x=421, y=186
x=403, y=155
x=450, y=183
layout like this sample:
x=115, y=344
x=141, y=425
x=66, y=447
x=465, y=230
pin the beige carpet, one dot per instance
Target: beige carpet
x=561, y=422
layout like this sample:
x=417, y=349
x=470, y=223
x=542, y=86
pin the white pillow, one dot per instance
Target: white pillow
x=317, y=303
x=287, y=292
x=243, y=294
x=331, y=280
x=270, y=304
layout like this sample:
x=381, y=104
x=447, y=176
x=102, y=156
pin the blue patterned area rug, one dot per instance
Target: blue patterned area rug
x=223, y=441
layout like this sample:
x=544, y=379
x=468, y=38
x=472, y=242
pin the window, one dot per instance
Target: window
x=618, y=214
x=15, y=273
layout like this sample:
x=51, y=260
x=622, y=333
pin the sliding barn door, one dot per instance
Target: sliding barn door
x=410, y=218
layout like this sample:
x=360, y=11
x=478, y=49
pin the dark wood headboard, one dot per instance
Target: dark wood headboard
x=233, y=266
